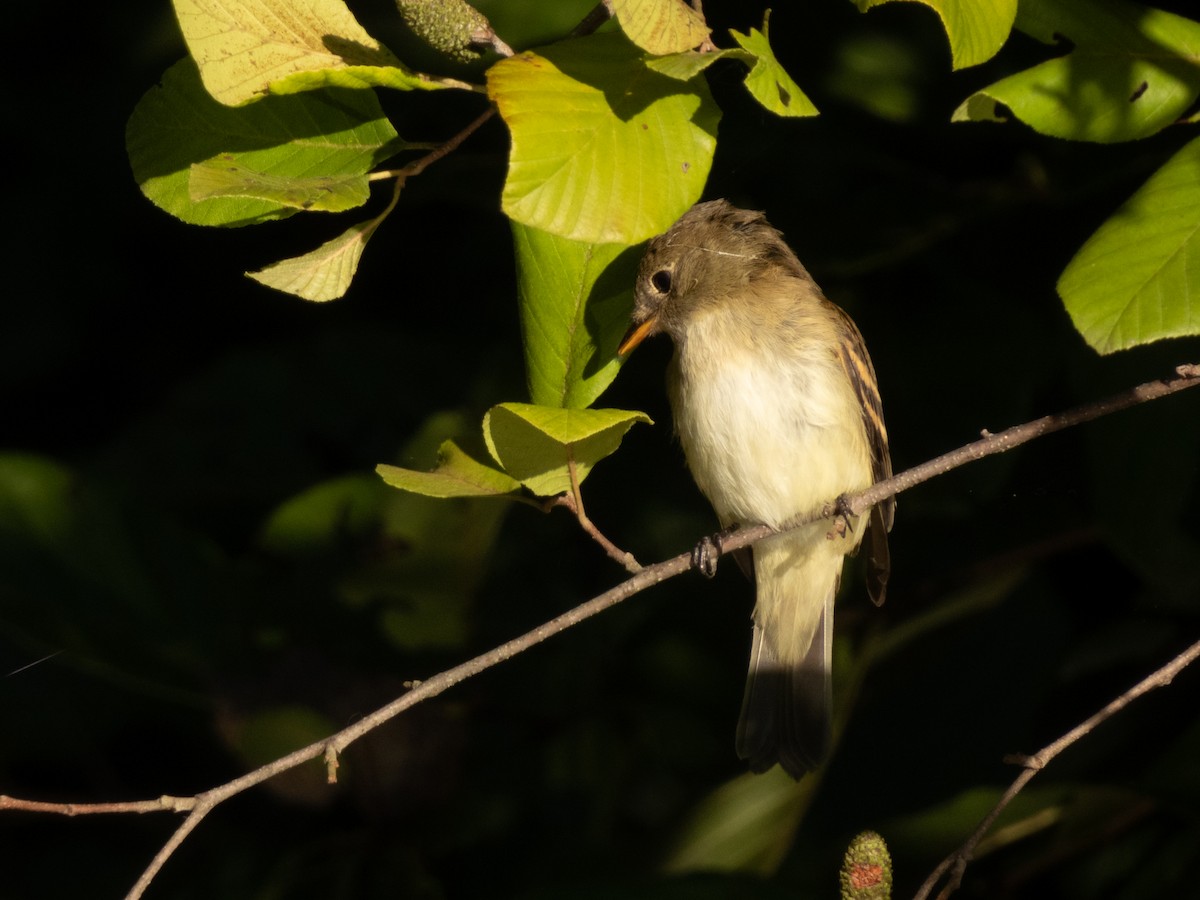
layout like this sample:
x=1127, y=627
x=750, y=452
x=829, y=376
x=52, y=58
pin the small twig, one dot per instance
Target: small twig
x=956, y=863
x=599, y=14
x=162, y=804
x=439, y=151
x=574, y=502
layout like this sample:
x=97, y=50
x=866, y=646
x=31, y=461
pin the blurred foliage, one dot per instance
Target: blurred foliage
x=190, y=522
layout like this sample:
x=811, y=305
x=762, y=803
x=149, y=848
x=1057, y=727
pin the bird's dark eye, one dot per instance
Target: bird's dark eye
x=661, y=281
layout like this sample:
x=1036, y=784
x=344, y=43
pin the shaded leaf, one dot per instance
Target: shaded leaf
x=456, y=475
x=340, y=134
x=1132, y=71
x=575, y=300
x=745, y=825
x=661, y=26
x=604, y=150
x=1137, y=278
x=977, y=29
x=538, y=445
x=439, y=551
x=322, y=515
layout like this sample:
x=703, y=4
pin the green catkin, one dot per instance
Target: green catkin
x=453, y=27
x=867, y=869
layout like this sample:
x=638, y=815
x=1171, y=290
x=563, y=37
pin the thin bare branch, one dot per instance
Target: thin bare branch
x=574, y=502
x=956, y=863
x=330, y=748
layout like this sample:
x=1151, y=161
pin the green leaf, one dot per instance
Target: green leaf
x=538, y=445
x=575, y=301
x=325, y=273
x=435, y=554
x=1137, y=278
x=687, y=65
x=977, y=29
x=661, y=26
x=323, y=516
x=246, y=49
x=223, y=177
x=1133, y=71
x=456, y=475
x=767, y=82
x=745, y=825
x=362, y=77
x=604, y=150
x=338, y=134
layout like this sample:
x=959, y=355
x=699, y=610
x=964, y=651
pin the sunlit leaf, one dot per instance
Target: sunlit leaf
x=767, y=82
x=224, y=177
x=322, y=274
x=339, y=134
x=661, y=26
x=1133, y=71
x=977, y=29
x=604, y=150
x=245, y=49
x=575, y=301
x=456, y=475
x=1137, y=278
x=539, y=445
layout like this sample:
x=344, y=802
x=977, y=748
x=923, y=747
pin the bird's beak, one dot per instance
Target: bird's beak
x=636, y=334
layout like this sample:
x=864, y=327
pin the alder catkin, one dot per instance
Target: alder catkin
x=453, y=27
x=867, y=869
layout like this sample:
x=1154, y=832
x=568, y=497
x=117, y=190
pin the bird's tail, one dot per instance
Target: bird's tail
x=786, y=710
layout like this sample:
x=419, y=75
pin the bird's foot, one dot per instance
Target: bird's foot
x=708, y=550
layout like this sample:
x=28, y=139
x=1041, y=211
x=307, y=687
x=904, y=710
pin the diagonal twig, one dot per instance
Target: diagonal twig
x=956, y=863
x=330, y=748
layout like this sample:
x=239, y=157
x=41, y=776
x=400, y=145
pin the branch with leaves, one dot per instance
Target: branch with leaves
x=330, y=749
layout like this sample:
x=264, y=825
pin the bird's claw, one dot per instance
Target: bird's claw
x=843, y=518
x=706, y=553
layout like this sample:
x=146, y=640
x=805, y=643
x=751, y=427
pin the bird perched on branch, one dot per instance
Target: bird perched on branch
x=776, y=405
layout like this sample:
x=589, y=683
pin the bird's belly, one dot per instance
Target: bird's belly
x=766, y=443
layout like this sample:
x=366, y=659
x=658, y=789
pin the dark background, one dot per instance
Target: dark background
x=190, y=522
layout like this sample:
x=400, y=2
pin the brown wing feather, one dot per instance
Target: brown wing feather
x=852, y=353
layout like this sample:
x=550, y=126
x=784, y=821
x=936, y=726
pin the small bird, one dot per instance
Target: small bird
x=776, y=405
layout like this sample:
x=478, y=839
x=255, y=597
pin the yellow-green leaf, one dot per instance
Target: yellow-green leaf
x=1132, y=71
x=456, y=475
x=244, y=47
x=539, y=445
x=604, y=150
x=661, y=26
x=1137, y=278
x=222, y=176
x=977, y=29
x=322, y=274
x=575, y=300
x=337, y=133
x=767, y=82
